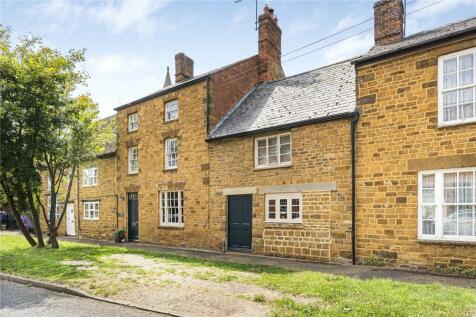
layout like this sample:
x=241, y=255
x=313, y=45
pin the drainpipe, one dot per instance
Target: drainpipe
x=353, y=125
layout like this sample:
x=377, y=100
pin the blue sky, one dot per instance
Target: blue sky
x=131, y=42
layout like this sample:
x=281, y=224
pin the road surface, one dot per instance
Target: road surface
x=19, y=300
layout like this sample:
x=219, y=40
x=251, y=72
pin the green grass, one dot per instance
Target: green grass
x=336, y=295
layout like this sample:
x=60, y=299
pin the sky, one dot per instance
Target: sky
x=130, y=43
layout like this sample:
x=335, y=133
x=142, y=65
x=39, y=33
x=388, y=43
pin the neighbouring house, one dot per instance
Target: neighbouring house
x=370, y=160
x=163, y=165
x=91, y=210
x=416, y=144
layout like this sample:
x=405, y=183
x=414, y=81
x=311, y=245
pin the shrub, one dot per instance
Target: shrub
x=119, y=235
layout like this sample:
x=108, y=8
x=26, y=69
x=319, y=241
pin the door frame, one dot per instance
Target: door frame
x=68, y=233
x=228, y=224
x=129, y=218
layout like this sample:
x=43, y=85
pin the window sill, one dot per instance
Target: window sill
x=271, y=167
x=90, y=185
x=443, y=125
x=180, y=227
x=174, y=169
x=294, y=225
x=133, y=174
x=89, y=219
x=170, y=121
x=446, y=242
x=132, y=131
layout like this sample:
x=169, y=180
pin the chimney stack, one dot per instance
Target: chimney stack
x=388, y=22
x=269, y=47
x=183, y=67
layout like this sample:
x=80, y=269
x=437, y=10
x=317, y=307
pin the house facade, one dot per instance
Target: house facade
x=370, y=160
x=416, y=145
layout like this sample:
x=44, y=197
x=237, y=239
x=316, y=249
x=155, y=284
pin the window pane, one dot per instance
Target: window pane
x=272, y=209
x=449, y=220
x=262, y=161
x=449, y=98
x=428, y=227
x=450, y=179
x=465, y=220
x=283, y=208
x=450, y=113
x=428, y=212
x=285, y=139
x=295, y=209
x=450, y=81
x=449, y=65
x=273, y=159
x=272, y=141
x=261, y=143
x=261, y=152
x=285, y=158
x=466, y=69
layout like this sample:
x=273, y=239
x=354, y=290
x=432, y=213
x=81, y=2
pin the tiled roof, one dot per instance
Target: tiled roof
x=421, y=38
x=324, y=92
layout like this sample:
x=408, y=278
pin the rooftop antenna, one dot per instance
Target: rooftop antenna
x=256, y=13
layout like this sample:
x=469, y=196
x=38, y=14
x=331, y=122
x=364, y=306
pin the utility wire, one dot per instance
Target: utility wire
x=235, y=78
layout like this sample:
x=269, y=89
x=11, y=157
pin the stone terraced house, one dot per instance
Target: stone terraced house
x=370, y=160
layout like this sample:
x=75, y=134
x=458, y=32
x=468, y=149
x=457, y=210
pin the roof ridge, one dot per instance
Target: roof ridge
x=437, y=28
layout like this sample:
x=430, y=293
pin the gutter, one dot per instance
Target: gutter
x=339, y=116
x=411, y=47
x=353, y=125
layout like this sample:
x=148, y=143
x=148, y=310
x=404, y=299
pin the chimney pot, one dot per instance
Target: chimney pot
x=269, y=47
x=388, y=21
x=183, y=67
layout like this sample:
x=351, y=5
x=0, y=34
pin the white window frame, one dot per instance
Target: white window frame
x=168, y=154
x=133, y=122
x=164, y=208
x=90, y=206
x=168, y=118
x=279, y=163
x=57, y=209
x=289, y=197
x=441, y=60
x=439, y=203
x=130, y=166
x=90, y=177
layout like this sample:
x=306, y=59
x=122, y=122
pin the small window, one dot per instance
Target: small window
x=91, y=210
x=171, y=110
x=133, y=160
x=90, y=177
x=457, y=87
x=57, y=209
x=171, y=153
x=171, y=208
x=284, y=208
x=447, y=205
x=133, y=120
x=273, y=151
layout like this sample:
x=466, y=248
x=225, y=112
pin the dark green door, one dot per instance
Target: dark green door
x=239, y=221
x=133, y=216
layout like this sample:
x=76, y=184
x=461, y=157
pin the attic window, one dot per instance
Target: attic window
x=273, y=151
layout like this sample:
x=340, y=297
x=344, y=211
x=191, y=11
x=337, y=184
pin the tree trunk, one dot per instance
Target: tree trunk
x=52, y=224
x=16, y=214
x=36, y=219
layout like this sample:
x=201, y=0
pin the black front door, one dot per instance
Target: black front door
x=133, y=216
x=239, y=222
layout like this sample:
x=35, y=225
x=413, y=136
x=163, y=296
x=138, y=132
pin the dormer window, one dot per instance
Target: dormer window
x=457, y=88
x=171, y=110
x=133, y=120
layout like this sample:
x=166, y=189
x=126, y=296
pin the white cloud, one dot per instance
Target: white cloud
x=240, y=15
x=126, y=14
x=348, y=48
x=299, y=28
x=118, y=15
x=429, y=17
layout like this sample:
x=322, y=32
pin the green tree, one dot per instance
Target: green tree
x=43, y=127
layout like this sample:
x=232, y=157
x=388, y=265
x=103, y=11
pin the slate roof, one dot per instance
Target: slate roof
x=422, y=38
x=318, y=94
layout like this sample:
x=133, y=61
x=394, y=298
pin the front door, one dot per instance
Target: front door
x=239, y=221
x=70, y=224
x=133, y=216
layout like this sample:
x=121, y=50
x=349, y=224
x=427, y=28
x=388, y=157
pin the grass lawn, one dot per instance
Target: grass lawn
x=328, y=295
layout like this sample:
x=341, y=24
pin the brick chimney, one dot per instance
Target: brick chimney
x=183, y=67
x=388, y=21
x=269, y=47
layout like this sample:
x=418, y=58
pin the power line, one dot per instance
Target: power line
x=321, y=47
